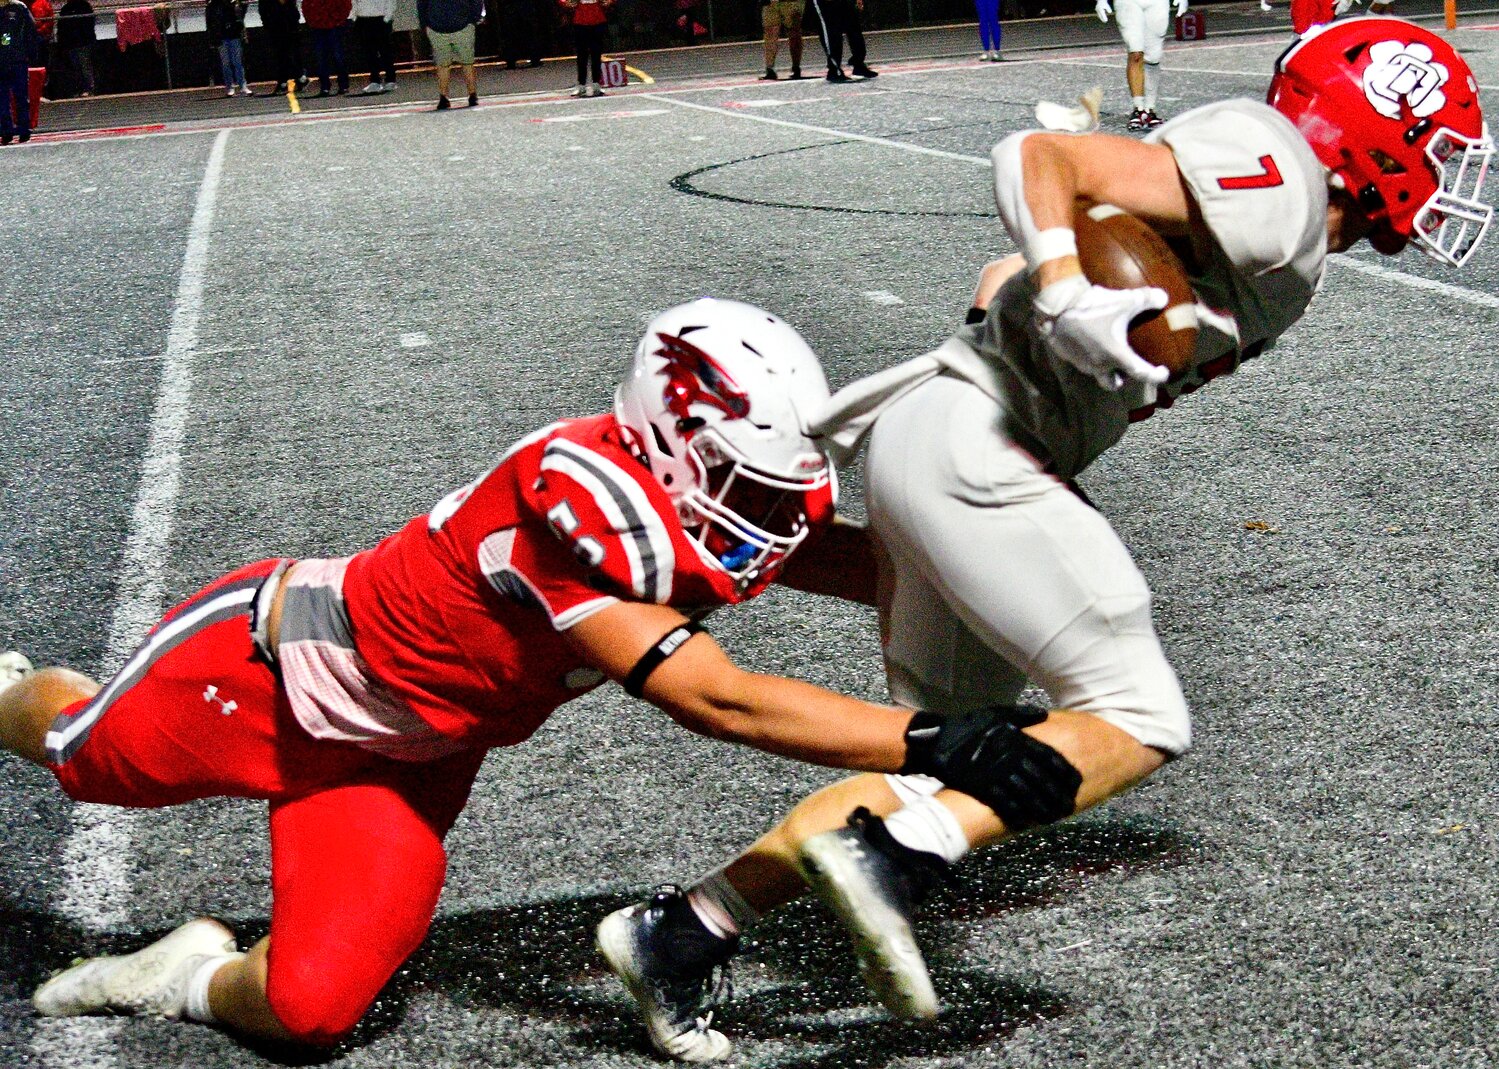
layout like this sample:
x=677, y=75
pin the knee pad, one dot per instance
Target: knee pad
x=1155, y=48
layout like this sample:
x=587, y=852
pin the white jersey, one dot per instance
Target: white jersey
x=1255, y=266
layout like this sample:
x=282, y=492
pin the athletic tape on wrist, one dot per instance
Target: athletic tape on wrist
x=1050, y=244
x=649, y=661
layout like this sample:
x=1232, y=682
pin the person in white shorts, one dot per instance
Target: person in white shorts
x=1143, y=25
x=988, y=567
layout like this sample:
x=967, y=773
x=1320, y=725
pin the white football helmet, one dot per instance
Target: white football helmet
x=716, y=402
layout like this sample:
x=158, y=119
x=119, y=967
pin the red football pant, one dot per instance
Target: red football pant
x=1308, y=13
x=357, y=861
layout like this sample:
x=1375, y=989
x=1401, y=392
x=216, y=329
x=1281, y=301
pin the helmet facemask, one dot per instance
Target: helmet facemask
x=746, y=519
x=1452, y=222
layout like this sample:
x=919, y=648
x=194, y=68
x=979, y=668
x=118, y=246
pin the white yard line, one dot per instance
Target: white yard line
x=97, y=852
x=1446, y=289
x=843, y=135
x=1379, y=271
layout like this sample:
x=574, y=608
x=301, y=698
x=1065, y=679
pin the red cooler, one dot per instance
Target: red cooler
x=36, y=83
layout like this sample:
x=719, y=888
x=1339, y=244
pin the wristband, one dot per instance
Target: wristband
x=921, y=744
x=649, y=661
x=1050, y=244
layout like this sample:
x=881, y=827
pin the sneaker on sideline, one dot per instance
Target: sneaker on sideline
x=14, y=665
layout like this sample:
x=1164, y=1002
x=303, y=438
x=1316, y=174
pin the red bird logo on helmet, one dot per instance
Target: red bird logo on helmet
x=694, y=377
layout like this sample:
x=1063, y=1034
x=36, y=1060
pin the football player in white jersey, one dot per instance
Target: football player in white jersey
x=1143, y=25
x=991, y=570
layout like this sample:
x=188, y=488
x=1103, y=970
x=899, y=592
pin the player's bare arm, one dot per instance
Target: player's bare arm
x=700, y=688
x=1060, y=169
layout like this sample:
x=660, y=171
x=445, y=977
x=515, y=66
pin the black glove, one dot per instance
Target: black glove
x=985, y=754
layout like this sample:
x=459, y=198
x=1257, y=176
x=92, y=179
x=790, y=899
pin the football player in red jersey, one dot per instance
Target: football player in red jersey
x=991, y=570
x=359, y=695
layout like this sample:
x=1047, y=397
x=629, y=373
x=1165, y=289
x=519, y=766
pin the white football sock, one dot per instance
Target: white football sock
x=927, y=824
x=1138, y=102
x=1152, y=83
x=720, y=906
x=197, y=987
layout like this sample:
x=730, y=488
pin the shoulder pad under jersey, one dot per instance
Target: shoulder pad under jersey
x=1261, y=189
x=603, y=503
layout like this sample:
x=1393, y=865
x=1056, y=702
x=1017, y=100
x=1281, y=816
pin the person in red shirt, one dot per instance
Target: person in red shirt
x=329, y=20
x=590, y=26
x=45, y=16
x=359, y=695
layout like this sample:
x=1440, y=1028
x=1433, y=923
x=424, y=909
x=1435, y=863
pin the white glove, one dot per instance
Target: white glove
x=1087, y=326
x=1105, y=9
x=1342, y=7
x=1181, y=8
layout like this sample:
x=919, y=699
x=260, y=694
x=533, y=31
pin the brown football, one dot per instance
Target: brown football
x=1119, y=251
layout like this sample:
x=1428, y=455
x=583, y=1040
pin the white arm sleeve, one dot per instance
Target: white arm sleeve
x=1037, y=246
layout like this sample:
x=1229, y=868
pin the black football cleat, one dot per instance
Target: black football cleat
x=676, y=970
x=873, y=884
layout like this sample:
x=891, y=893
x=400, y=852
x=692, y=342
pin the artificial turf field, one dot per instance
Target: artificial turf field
x=238, y=340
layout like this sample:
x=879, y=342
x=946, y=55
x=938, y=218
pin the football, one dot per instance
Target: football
x=1121, y=252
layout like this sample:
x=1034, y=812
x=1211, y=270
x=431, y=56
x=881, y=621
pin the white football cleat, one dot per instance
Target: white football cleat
x=14, y=667
x=152, y=981
x=873, y=893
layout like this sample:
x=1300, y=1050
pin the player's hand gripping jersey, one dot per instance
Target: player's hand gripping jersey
x=1255, y=265
x=449, y=633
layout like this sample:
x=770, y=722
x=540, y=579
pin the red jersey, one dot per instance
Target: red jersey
x=455, y=621
x=589, y=13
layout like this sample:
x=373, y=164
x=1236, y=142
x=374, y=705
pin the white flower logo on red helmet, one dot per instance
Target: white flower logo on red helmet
x=1399, y=72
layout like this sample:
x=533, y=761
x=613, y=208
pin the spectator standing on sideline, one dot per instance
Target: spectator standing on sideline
x=372, y=25
x=837, y=19
x=45, y=17
x=590, y=24
x=778, y=16
x=450, y=27
x=1142, y=25
x=281, y=19
x=76, y=37
x=990, y=31
x=328, y=20
x=19, y=48
x=520, y=26
x=225, y=20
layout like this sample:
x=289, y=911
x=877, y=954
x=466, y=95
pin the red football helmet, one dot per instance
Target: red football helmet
x=1392, y=111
